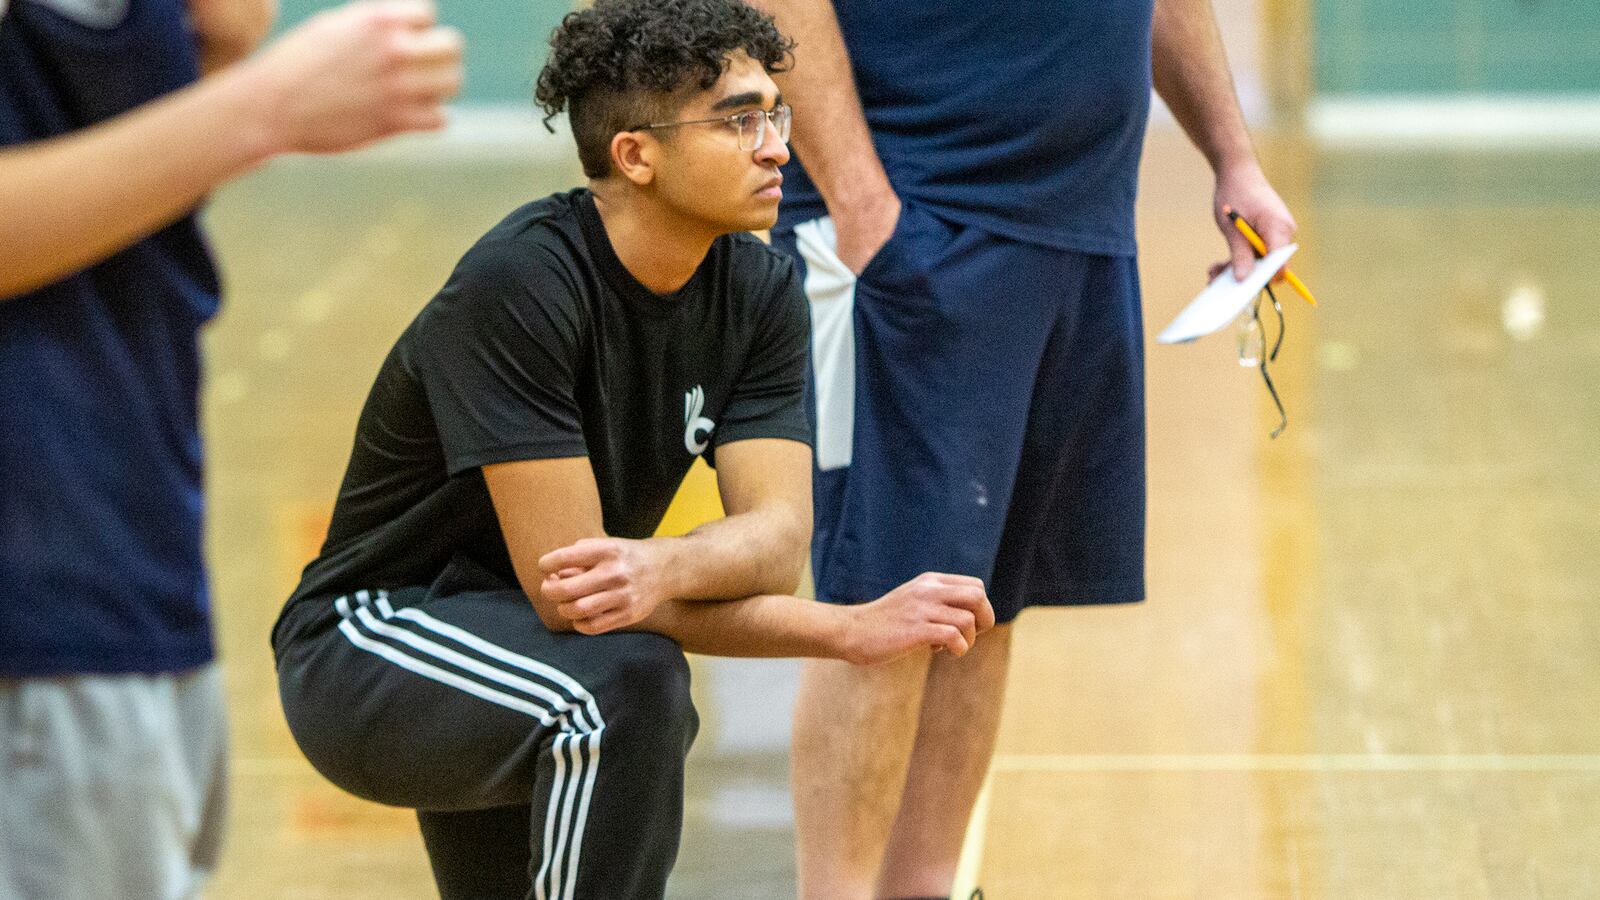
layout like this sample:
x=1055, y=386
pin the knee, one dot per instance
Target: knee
x=645, y=692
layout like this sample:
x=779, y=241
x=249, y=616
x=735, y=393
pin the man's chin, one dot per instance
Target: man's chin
x=763, y=220
x=758, y=218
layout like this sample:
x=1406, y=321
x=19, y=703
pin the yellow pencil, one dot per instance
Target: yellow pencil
x=1261, y=249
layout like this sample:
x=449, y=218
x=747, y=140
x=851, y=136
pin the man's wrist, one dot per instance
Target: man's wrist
x=862, y=202
x=672, y=573
x=842, y=631
x=1237, y=164
x=251, y=97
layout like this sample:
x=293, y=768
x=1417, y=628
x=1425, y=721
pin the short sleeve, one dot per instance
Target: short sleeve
x=768, y=400
x=497, y=354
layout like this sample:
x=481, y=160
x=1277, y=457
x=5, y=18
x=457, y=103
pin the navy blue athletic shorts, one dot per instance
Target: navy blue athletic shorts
x=978, y=407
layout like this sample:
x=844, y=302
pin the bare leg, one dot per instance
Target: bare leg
x=960, y=715
x=854, y=727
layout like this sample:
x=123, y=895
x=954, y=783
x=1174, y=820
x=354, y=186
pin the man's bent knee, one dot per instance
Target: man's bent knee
x=645, y=689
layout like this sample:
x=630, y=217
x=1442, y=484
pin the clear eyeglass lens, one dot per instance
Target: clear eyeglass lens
x=1252, y=343
x=751, y=131
x=752, y=126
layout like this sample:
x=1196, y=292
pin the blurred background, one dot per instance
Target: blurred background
x=1368, y=660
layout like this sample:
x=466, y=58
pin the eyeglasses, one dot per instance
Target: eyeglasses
x=1253, y=351
x=750, y=125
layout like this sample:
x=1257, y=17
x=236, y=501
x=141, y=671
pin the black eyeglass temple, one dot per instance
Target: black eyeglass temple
x=1283, y=415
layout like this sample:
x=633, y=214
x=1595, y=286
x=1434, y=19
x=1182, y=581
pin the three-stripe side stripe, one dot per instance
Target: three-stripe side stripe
x=436, y=650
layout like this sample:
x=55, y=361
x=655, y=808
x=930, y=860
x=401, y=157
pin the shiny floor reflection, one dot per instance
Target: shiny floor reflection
x=1366, y=665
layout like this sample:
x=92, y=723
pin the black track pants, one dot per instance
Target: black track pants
x=546, y=766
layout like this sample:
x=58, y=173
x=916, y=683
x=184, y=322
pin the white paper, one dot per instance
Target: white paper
x=1224, y=299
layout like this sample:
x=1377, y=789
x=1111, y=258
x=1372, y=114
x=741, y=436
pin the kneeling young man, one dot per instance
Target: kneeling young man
x=490, y=635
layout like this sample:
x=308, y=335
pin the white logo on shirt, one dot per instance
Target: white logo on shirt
x=103, y=14
x=693, y=423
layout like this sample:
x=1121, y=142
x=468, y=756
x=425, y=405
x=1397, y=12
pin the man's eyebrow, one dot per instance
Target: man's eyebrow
x=748, y=98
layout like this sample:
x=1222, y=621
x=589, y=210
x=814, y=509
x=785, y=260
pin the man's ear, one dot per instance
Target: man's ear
x=635, y=154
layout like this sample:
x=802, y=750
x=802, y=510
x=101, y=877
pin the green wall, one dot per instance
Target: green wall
x=1361, y=46
x=507, y=41
x=1457, y=46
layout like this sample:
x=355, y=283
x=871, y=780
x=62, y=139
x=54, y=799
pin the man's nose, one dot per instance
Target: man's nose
x=772, y=146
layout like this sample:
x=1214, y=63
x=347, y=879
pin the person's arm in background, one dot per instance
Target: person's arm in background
x=830, y=132
x=229, y=30
x=342, y=80
x=548, y=504
x=1191, y=74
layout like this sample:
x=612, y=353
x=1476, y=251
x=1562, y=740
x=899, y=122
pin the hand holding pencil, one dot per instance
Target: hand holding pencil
x=1260, y=248
x=1244, y=189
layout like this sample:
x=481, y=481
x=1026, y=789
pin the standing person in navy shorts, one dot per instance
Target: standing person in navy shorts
x=491, y=635
x=113, y=742
x=961, y=202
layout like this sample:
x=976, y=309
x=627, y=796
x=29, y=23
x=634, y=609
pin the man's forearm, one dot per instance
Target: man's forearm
x=1191, y=75
x=829, y=132
x=931, y=610
x=69, y=202
x=737, y=556
x=770, y=626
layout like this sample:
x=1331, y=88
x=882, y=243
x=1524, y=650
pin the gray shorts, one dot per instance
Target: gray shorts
x=111, y=785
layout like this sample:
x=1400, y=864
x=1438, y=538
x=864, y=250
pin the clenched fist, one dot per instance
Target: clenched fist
x=945, y=612
x=602, y=584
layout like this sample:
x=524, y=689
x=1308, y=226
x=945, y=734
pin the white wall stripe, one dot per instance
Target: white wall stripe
x=1484, y=121
x=475, y=132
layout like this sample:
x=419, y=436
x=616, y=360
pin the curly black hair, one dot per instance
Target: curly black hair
x=624, y=62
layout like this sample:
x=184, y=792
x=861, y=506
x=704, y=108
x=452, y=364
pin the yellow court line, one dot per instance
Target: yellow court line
x=1299, y=762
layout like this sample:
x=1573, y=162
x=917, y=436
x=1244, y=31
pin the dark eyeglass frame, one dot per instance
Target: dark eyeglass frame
x=780, y=117
x=1272, y=356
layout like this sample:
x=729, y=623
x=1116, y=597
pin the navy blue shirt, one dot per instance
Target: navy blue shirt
x=1025, y=118
x=100, y=464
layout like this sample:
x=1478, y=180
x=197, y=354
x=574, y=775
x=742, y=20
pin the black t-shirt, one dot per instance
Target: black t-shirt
x=542, y=345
